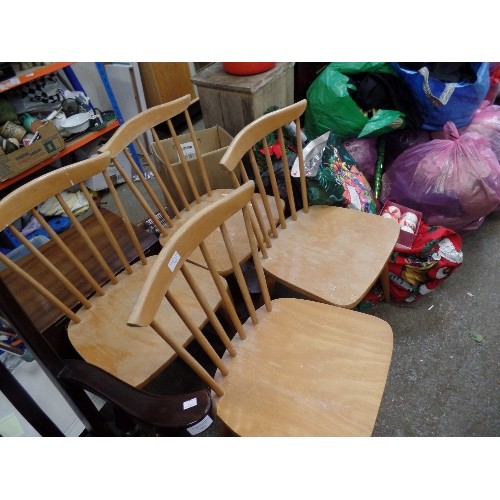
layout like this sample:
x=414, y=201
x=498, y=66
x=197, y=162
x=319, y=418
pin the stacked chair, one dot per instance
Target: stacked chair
x=294, y=367
x=89, y=276
x=187, y=189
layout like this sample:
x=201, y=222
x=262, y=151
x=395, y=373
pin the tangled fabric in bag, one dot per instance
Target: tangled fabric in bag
x=454, y=182
x=445, y=92
x=399, y=141
x=331, y=106
x=338, y=180
x=414, y=272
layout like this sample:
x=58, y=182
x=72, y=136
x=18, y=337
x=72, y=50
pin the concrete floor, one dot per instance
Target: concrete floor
x=442, y=382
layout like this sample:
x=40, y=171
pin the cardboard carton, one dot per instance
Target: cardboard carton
x=97, y=182
x=17, y=162
x=213, y=143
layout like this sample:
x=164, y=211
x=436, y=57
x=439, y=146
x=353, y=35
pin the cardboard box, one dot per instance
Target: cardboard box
x=97, y=182
x=17, y=162
x=213, y=143
x=405, y=239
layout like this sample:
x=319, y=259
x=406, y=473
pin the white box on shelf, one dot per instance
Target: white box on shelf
x=47, y=397
x=97, y=182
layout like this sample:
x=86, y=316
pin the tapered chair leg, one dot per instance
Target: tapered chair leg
x=384, y=279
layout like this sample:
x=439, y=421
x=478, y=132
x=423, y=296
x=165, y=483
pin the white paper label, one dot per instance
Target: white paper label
x=188, y=150
x=355, y=201
x=189, y=404
x=200, y=426
x=174, y=261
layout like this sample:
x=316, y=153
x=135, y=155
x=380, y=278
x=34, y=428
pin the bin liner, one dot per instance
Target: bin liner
x=486, y=121
x=364, y=153
x=454, y=182
x=330, y=105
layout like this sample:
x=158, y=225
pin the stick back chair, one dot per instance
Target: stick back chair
x=84, y=274
x=184, y=190
x=294, y=367
x=330, y=254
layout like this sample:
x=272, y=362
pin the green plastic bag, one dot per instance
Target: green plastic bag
x=330, y=107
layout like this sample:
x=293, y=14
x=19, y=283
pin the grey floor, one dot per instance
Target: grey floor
x=443, y=382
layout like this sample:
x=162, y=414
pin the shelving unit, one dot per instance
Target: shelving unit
x=72, y=144
x=70, y=147
x=29, y=75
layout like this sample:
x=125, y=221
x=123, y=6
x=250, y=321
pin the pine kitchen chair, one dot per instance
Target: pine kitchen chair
x=185, y=189
x=295, y=367
x=84, y=276
x=330, y=254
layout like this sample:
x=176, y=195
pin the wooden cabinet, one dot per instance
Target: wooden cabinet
x=164, y=82
x=233, y=101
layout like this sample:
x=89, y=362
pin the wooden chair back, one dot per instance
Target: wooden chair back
x=180, y=192
x=243, y=147
x=290, y=367
x=87, y=276
x=183, y=188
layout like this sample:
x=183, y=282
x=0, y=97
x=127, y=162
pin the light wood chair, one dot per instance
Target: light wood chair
x=330, y=254
x=84, y=275
x=295, y=367
x=185, y=189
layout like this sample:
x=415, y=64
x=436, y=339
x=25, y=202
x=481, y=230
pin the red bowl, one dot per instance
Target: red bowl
x=247, y=68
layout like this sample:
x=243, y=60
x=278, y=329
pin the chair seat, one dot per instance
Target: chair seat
x=215, y=243
x=136, y=355
x=331, y=254
x=306, y=369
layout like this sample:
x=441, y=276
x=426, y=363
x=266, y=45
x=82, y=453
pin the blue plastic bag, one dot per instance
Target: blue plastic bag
x=440, y=102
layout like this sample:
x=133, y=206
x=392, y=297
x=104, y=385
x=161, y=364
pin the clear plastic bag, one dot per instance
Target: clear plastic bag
x=486, y=121
x=454, y=182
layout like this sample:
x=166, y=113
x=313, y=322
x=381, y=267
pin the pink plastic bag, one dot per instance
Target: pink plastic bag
x=364, y=153
x=454, y=182
x=399, y=141
x=486, y=121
